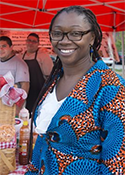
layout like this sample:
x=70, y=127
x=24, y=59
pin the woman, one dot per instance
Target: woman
x=80, y=115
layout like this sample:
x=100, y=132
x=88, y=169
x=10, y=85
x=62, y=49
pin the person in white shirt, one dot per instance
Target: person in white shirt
x=10, y=62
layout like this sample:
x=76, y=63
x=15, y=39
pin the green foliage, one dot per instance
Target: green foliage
x=118, y=41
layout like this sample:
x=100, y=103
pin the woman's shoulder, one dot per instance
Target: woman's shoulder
x=110, y=77
x=105, y=74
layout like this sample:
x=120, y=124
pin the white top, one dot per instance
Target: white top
x=17, y=67
x=47, y=109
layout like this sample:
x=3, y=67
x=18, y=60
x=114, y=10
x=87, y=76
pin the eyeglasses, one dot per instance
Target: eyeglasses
x=72, y=36
x=31, y=41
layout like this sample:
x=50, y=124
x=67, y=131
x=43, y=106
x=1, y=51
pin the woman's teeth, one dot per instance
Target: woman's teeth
x=67, y=51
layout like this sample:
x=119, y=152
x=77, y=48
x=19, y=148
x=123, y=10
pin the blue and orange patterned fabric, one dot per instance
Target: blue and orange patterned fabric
x=87, y=134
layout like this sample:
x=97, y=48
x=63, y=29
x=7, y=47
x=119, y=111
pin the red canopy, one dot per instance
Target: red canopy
x=37, y=14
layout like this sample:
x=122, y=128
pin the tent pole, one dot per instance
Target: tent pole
x=114, y=36
x=123, y=62
x=113, y=66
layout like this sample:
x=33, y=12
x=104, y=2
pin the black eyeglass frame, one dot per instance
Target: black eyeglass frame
x=66, y=34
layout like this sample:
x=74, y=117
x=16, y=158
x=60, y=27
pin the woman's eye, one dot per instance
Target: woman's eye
x=57, y=33
x=75, y=33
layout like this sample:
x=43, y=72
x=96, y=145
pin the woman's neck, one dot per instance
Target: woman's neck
x=77, y=70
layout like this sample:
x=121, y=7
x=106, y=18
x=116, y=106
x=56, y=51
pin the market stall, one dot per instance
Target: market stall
x=10, y=97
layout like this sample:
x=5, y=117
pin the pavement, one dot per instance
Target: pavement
x=117, y=66
x=120, y=70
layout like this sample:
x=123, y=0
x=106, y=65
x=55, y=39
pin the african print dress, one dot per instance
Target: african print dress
x=87, y=134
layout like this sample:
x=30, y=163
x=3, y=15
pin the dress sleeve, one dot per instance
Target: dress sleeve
x=112, y=119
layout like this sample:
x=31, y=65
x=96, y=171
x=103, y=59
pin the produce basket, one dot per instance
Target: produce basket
x=7, y=161
x=7, y=114
x=10, y=96
x=7, y=155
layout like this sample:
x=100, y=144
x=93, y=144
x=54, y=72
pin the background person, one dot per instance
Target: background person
x=81, y=112
x=10, y=62
x=40, y=66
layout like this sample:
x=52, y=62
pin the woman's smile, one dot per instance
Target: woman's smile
x=66, y=52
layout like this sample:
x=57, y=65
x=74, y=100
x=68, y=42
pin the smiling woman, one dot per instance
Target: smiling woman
x=80, y=111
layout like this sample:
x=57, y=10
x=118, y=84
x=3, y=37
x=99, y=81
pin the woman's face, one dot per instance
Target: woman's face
x=71, y=52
